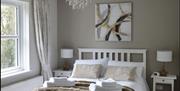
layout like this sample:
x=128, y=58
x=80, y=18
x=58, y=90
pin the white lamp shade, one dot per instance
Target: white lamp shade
x=66, y=53
x=164, y=56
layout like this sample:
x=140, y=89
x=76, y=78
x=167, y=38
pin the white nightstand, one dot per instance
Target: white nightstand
x=62, y=73
x=169, y=79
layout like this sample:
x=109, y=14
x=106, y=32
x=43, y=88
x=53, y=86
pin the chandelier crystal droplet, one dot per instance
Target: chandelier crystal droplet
x=78, y=4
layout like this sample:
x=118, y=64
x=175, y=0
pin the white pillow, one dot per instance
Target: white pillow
x=121, y=73
x=103, y=62
x=86, y=71
x=139, y=66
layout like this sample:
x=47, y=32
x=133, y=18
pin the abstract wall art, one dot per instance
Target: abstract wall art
x=113, y=22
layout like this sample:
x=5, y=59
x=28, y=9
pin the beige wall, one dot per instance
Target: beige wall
x=155, y=26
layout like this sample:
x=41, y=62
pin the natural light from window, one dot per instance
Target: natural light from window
x=14, y=37
x=9, y=37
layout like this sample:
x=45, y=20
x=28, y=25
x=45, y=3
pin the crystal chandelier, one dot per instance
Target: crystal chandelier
x=78, y=4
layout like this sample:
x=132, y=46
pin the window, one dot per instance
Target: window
x=14, y=37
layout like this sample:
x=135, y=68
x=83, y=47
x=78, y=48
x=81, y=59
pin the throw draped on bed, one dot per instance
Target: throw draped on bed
x=80, y=86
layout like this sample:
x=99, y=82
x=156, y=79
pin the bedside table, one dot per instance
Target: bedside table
x=62, y=73
x=169, y=79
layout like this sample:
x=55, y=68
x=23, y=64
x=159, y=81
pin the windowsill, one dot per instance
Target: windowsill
x=14, y=74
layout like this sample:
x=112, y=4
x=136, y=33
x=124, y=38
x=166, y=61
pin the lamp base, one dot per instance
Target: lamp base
x=66, y=66
x=163, y=72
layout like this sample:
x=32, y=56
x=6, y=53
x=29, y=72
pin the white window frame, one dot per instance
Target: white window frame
x=23, y=36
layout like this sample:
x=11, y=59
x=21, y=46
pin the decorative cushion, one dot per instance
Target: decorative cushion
x=86, y=71
x=121, y=73
x=102, y=62
x=139, y=66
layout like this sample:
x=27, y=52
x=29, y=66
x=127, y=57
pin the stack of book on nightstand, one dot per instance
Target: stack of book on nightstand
x=58, y=81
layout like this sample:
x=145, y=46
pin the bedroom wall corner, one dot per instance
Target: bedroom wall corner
x=60, y=13
x=53, y=34
x=179, y=40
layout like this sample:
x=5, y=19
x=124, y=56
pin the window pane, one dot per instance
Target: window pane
x=8, y=53
x=8, y=19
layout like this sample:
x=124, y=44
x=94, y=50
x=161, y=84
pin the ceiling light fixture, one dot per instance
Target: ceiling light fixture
x=78, y=4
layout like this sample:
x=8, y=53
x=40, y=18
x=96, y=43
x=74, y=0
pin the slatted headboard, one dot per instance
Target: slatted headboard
x=130, y=56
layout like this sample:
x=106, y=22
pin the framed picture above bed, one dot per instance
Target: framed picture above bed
x=113, y=21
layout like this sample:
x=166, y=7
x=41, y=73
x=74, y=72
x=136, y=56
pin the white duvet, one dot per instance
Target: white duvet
x=138, y=85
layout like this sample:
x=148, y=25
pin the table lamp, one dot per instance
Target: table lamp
x=66, y=54
x=164, y=56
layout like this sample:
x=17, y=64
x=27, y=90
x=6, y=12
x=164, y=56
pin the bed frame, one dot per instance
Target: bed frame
x=120, y=55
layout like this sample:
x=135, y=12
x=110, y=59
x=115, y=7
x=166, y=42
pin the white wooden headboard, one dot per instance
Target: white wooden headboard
x=121, y=55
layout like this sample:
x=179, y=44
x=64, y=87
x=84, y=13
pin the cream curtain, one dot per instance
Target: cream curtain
x=40, y=10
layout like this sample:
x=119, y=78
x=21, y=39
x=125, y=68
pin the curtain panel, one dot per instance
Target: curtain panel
x=40, y=11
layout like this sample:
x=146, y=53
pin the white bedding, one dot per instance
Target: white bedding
x=138, y=85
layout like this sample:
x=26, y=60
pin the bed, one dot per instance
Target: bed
x=115, y=59
x=118, y=57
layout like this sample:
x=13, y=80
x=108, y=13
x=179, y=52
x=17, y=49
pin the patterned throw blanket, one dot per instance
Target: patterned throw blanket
x=79, y=86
